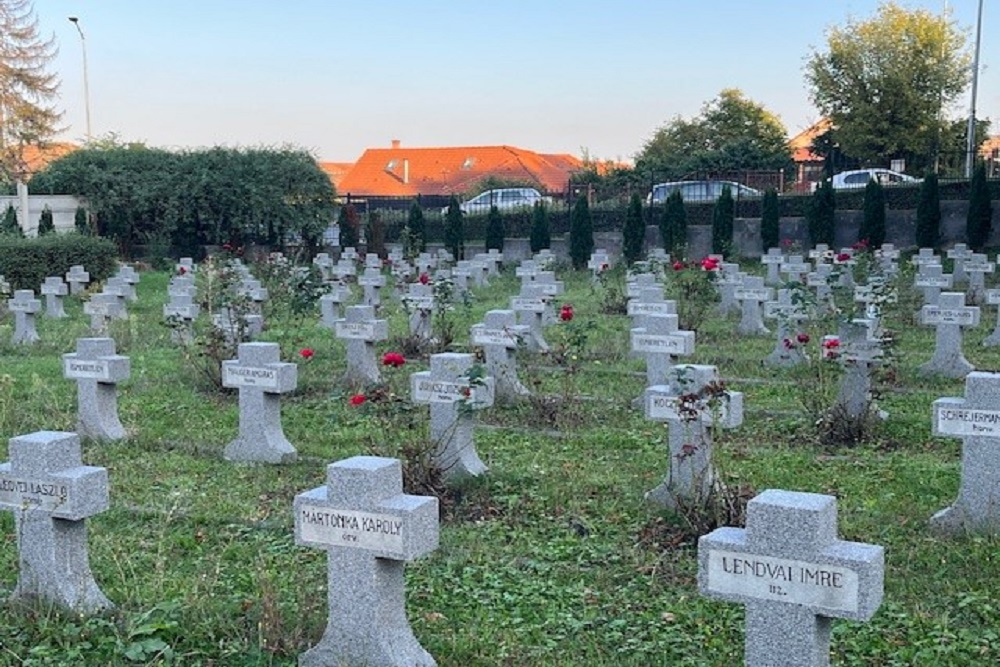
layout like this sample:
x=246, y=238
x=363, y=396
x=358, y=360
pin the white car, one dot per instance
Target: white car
x=502, y=198
x=699, y=191
x=858, y=178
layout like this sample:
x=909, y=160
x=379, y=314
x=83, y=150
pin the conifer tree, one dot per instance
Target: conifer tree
x=454, y=229
x=978, y=221
x=673, y=224
x=45, y=223
x=722, y=223
x=821, y=214
x=418, y=228
x=770, y=219
x=348, y=222
x=634, y=231
x=495, y=231
x=581, y=234
x=80, y=221
x=10, y=226
x=540, y=236
x=929, y=213
x=872, y=227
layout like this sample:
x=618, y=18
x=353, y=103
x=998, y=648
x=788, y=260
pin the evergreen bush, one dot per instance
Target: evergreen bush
x=634, y=231
x=581, y=234
x=978, y=221
x=494, y=230
x=872, y=229
x=25, y=263
x=673, y=223
x=80, y=221
x=722, y=223
x=418, y=227
x=376, y=235
x=348, y=222
x=820, y=214
x=454, y=229
x=46, y=225
x=770, y=218
x=540, y=237
x=929, y=213
x=10, y=226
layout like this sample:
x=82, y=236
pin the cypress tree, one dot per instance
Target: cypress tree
x=977, y=222
x=80, y=221
x=873, y=224
x=418, y=229
x=821, y=213
x=540, y=237
x=10, y=225
x=581, y=234
x=348, y=222
x=495, y=231
x=929, y=213
x=722, y=223
x=770, y=217
x=454, y=229
x=673, y=224
x=45, y=223
x=376, y=234
x=634, y=231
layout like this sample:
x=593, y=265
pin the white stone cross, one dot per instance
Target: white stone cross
x=51, y=494
x=180, y=314
x=499, y=335
x=794, y=268
x=949, y=316
x=372, y=281
x=661, y=342
x=77, y=278
x=54, y=289
x=925, y=256
x=794, y=576
x=368, y=528
x=858, y=354
x=101, y=308
x=454, y=390
x=261, y=379
x=958, y=253
x=773, y=261
x=931, y=278
x=97, y=370
x=419, y=302
x=751, y=295
x=323, y=263
x=975, y=419
x=532, y=308
x=993, y=299
x=361, y=331
x=976, y=266
x=331, y=305
x=789, y=312
x=130, y=278
x=25, y=306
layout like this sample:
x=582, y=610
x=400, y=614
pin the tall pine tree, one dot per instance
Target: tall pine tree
x=415, y=223
x=634, y=231
x=581, y=234
x=770, y=220
x=821, y=214
x=454, y=230
x=722, y=223
x=978, y=221
x=929, y=213
x=872, y=228
x=495, y=231
x=46, y=225
x=673, y=223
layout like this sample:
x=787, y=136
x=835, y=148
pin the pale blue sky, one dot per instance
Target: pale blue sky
x=339, y=76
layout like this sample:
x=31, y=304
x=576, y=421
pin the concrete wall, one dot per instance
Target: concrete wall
x=63, y=211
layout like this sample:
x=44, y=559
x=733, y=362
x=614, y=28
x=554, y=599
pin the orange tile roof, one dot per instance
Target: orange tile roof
x=988, y=146
x=403, y=171
x=37, y=158
x=336, y=171
x=801, y=143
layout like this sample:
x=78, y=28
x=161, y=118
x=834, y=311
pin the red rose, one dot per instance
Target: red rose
x=678, y=265
x=358, y=399
x=424, y=278
x=394, y=359
x=710, y=264
x=843, y=257
x=803, y=338
x=181, y=270
x=566, y=313
x=306, y=353
x=831, y=344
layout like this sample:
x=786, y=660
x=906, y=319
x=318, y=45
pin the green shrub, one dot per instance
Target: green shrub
x=494, y=230
x=581, y=234
x=722, y=223
x=770, y=220
x=872, y=227
x=673, y=223
x=347, y=220
x=45, y=223
x=929, y=213
x=978, y=221
x=25, y=263
x=634, y=231
x=821, y=214
x=10, y=226
x=80, y=221
x=540, y=235
x=376, y=235
x=418, y=227
x=454, y=230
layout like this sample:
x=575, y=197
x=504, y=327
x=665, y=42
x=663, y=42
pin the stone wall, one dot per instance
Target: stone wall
x=63, y=210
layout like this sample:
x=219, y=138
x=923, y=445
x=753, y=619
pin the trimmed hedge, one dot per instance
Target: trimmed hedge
x=26, y=263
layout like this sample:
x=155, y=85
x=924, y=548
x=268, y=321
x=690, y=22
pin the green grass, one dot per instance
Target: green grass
x=551, y=559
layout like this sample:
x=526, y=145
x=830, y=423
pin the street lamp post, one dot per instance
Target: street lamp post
x=86, y=84
x=970, y=154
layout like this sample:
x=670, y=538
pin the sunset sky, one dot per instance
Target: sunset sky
x=336, y=77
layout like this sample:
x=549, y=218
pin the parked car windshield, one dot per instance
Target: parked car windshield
x=699, y=191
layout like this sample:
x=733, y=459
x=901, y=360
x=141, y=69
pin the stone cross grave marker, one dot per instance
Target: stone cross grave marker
x=931, y=278
x=789, y=314
x=130, y=278
x=453, y=396
x=255, y=291
x=773, y=261
x=636, y=282
x=331, y=305
x=344, y=269
x=369, y=529
x=350, y=254
x=949, y=316
x=690, y=477
x=459, y=276
x=820, y=254
x=425, y=262
x=532, y=308
x=372, y=281
x=25, y=306
x=794, y=268
x=649, y=301
x=102, y=308
x=499, y=335
x=373, y=261
x=184, y=266
x=976, y=420
x=492, y=259
x=821, y=280
x=77, y=278
x=598, y=263
x=793, y=575
x=661, y=342
x=976, y=266
x=119, y=288
x=182, y=285
x=261, y=379
x=959, y=253
x=751, y=295
x=181, y=312
x=887, y=257
x=51, y=494
x=925, y=256
x=527, y=271
x=993, y=299
x=324, y=263
x=444, y=256
x=550, y=286
x=97, y=371
x=420, y=302
x=360, y=330
x=730, y=278
x=845, y=263
x=877, y=293
x=54, y=289
x=858, y=354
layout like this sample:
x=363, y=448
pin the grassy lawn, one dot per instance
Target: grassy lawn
x=553, y=558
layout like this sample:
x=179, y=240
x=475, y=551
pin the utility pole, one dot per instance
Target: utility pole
x=970, y=154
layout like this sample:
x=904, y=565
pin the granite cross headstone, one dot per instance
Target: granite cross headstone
x=261, y=379
x=77, y=278
x=25, y=306
x=751, y=295
x=499, y=335
x=361, y=331
x=97, y=371
x=949, y=316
